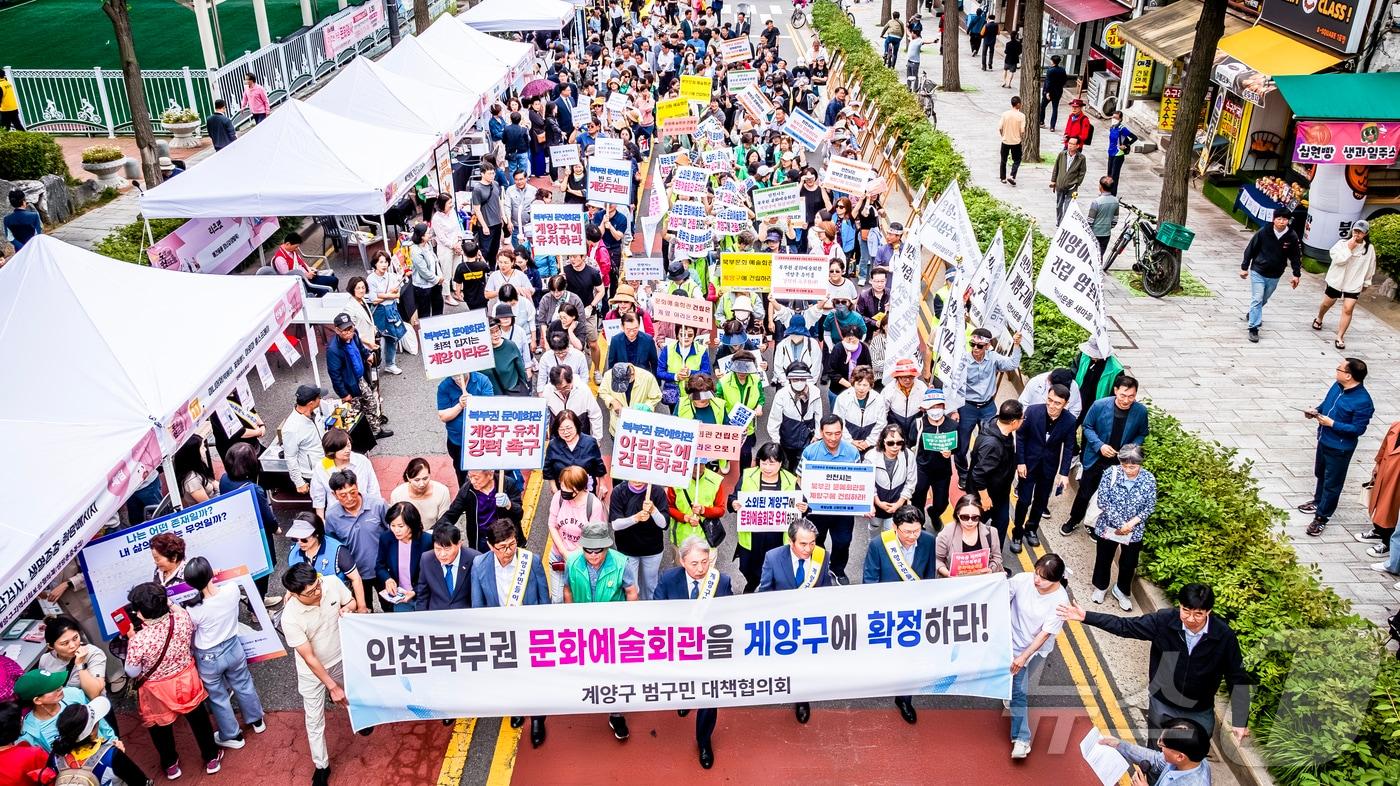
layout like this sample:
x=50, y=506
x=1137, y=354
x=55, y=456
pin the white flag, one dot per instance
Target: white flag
x=984, y=309
x=1072, y=276
x=947, y=232
x=902, y=318
x=951, y=346
x=658, y=203
x=1018, y=301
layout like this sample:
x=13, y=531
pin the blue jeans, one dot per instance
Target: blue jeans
x=969, y=416
x=390, y=346
x=1330, y=468
x=1394, y=565
x=1261, y=288
x=892, y=43
x=1020, y=698
x=224, y=671
x=519, y=162
x=644, y=572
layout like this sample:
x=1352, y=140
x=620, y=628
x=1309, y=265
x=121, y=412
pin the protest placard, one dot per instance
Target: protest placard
x=582, y=115
x=609, y=147
x=778, y=202
x=611, y=327
x=765, y=511
x=558, y=229
x=666, y=164
x=724, y=443
x=1071, y=276
x=696, y=88
x=680, y=126
x=563, y=155
x=756, y=103
x=690, y=181
x=617, y=101
x=1020, y=296
x=740, y=415
x=671, y=107
x=689, y=245
x=746, y=270
x=680, y=310
x=455, y=343
x=945, y=440
x=807, y=130
x=799, y=277
x=640, y=268
x=609, y=181
x=838, y=488
x=847, y=175
x=735, y=50
x=504, y=432
x=740, y=78
x=227, y=530
x=654, y=448
x=717, y=161
x=688, y=215
x=730, y=219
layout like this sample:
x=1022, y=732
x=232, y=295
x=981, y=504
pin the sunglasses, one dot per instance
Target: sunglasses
x=973, y=517
x=894, y=442
x=306, y=540
x=594, y=551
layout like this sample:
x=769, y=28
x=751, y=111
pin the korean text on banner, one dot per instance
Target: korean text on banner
x=609, y=181
x=504, y=432
x=617, y=102
x=1020, y=296
x=558, y=229
x=740, y=78
x=928, y=637
x=690, y=181
x=847, y=175
x=654, y=448
x=688, y=215
x=902, y=318
x=799, y=277
x=210, y=245
x=838, y=488
x=756, y=103
x=730, y=220
x=746, y=270
x=226, y=530
x=1071, y=276
x=680, y=126
x=696, y=88
x=948, y=233
x=1337, y=142
x=672, y=107
x=563, y=155
x=679, y=310
x=455, y=343
x=640, y=268
x=765, y=511
x=807, y=130
x=582, y=115
x=735, y=50
x=719, y=442
x=609, y=147
x=778, y=201
x=341, y=31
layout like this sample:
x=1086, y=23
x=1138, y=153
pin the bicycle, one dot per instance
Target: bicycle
x=1158, y=263
x=799, y=16
x=926, y=89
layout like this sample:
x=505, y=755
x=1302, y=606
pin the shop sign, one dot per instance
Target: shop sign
x=1109, y=64
x=1336, y=24
x=1171, y=102
x=1142, y=75
x=1231, y=114
x=1332, y=142
x=1113, y=35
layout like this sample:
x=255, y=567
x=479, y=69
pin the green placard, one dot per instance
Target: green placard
x=946, y=440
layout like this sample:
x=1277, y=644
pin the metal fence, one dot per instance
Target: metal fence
x=79, y=101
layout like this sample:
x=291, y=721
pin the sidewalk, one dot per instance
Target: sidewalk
x=1191, y=353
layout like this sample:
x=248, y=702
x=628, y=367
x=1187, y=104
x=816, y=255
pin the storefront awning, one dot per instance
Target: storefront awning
x=1077, y=12
x=1248, y=61
x=1342, y=96
x=1167, y=34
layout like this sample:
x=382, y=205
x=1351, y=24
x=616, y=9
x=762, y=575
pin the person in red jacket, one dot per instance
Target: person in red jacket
x=1077, y=125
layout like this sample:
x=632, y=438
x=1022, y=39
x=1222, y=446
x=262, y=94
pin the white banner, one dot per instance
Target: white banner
x=868, y=640
x=640, y=268
x=765, y=511
x=755, y=103
x=1071, y=276
x=1019, y=300
x=984, y=306
x=558, y=229
x=780, y=201
x=838, y=488
x=949, y=235
x=226, y=530
x=735, y=50
x=582, y=115
x=740, y=78
x=847, y=175
x=951, y=345
x=563, y=155
x=807, y=130
x=609, y=147
x=799, y=276
x=902, y=320
x=504, y=432
x=210, y=245
x=609, y=181
x=654, y=448
x=455, y=343
x=691, y=181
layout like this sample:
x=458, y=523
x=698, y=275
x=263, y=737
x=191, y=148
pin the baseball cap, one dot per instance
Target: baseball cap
x=309, y=393
x=596, y=535
x=343, y=321
x=621, y=377
x=37, y=682
x=905, y=367
x=300, y=528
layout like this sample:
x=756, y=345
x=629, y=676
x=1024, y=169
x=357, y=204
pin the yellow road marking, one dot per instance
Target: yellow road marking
x=455, y=761
x=503, y=762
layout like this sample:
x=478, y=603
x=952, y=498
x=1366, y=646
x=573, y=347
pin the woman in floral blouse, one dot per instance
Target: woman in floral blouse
x=1127, y=496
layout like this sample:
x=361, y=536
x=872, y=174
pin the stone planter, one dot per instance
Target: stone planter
x=107, y=173
x=185, y=134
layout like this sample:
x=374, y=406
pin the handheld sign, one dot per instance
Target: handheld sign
x=455, y=343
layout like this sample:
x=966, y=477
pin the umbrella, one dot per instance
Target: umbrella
x=537, y=87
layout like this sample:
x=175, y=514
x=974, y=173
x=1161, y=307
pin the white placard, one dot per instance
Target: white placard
x=779, y=201
x=455, y=343
x=765, y=511
x=582, y=115
x=1107, y=763
x=807, y=130
x=640, y=268
x=563, y=155
x=290, y=355
x=611, y=327
x=558, y=229
x=264, y=370
x=739, y=79
x=1071, y=275
x=617, y=101
x=948, y=233
x=654, y=448
x=609, y=181
x=847, y=175
x=838, y=488
x=504, y=432
x=608, y=147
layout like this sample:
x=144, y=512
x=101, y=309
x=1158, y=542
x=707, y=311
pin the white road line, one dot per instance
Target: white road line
x=775, y=9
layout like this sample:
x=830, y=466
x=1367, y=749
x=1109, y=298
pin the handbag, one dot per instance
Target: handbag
x=714, y=531
x=145, y=676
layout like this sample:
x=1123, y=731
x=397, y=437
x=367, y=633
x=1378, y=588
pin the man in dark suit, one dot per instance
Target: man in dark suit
x=905, y=553
x=565, y=103
x=444, y=577
x=1055, y=80
x=802, y=565
x=510, y=576
x=1044, y=448
x=696, y=579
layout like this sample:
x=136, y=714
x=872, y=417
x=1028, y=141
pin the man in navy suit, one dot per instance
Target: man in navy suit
x=444, y=577
x=1044, y=449
x=1109, y=424
x=507, y=577
x=905, y=553
x=695, y=579
x=800, y=566
x=565, y=103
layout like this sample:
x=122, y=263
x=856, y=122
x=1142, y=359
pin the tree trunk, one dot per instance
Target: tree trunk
x=421, y=17
x=116, y=11
x=391, y=13
x=886, y=7
x=952, y=82
x=1176, y=173
x=1032, y=78
x=911, y=7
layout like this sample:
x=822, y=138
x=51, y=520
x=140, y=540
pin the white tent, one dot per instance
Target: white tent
x=365, y=91
x=411, y=59
x=501, y=16
x=447, y=34
x=301, y=161
x=518, y=56
x=476, y=69
x=112, y=366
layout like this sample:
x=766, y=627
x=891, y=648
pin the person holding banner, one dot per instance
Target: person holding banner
x=796, y=415
x=696, y=579
x=800, y=566
x=979, y=391
x=637, y=512
x=834, y=448
x=768, y=476
x=904, y=553
x=596, y=573
x=632, y=346
x=970, y=548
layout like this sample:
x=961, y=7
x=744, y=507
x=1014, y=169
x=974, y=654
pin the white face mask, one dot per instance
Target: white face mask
x=1114, y=121
x=936, y=412
x=850, y=345
x=799, y=385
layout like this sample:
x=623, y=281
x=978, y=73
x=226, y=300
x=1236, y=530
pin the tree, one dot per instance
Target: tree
x=886, y=7
x=952, y=82
x=117, y=11
x=1176, y=173
x=1032, y=80
x=421, y=17
x=911, y=7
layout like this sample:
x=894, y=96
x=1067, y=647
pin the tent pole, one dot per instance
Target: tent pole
x=311, y=349
x=171, y=482
x=150, y=237
x=262, y=257
x=384, y=233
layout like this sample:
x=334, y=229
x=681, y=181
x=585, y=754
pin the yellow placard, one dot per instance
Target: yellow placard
x=674, y=107
x=740, y=270
x=696, y=88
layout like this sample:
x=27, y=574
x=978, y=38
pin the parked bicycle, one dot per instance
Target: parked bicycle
x=1157, y=260
x=799, y=14
x=923, y=88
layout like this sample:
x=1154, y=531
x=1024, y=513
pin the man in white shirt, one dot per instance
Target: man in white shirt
x=561, y=394
x=1034, y=625
x=515, y=205
x=1039, y=386
x=311, y=625
x=301, y=436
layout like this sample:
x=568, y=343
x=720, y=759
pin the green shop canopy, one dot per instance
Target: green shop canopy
x=1342, y=96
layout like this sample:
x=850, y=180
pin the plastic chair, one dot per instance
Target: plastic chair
x=312, y=290
x=1264, y=146
x=350, y=233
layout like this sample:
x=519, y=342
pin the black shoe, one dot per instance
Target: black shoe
x=1015, y=545
x=841, y=581
x=1317, y=526
x=906, y=710
x=1068, y=528
x=1254, y=335
x=619, y=727
x=382, y=433
x=1032, y=538
x=516, y=721
x=1307, y=507
x=383, y=419
x=370, y=730
x=682, y=713
x=804, y=712
x=536, y=732
x=707, y=757
x=448, y=721
x=322, y=777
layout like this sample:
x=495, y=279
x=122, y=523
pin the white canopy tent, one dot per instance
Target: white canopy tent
x=477, y=70
x=447, y=34
x=303, y=160
x=365, y=91
x=518, y=56
x=502, y=16
x=115, y=365
x=448, y=71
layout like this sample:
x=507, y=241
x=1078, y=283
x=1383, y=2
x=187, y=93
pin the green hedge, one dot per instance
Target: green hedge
x=29, y=155
x=1385, y=234
x=1327, y=707
x=128, y=243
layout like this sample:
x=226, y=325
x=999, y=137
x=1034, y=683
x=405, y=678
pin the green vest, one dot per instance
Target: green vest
x=749, y=481
x=610, y=579
x=707, y=494
x=685, y=408
x=749, y=394
x=1111, y=369
x=675, y=361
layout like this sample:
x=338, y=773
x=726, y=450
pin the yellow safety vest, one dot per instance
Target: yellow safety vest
x=750, y=481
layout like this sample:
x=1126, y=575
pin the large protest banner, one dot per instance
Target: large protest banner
x=680, y=310
x=838, y=488
x=609, y=181
x=226, y=530
x=799, y=276
x=504, y=432
x=778, y=201
x=558, y=229
x=746, y=270
x=455, y=343
x=1020, y=296
x=925, y=637
x=985, y=287
x=654, y=448
x=210, y=245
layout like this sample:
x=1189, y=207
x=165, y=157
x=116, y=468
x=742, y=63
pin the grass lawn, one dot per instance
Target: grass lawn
x=1189, y=286
x=76, y=34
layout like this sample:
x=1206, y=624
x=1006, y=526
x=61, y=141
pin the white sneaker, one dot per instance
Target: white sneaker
x=232, y=742
x=260, y=727
x=1020, y=749
x=1099, y=595
x=1380, y=567
x=272, y=601
x=395, y=370
x=1397, y=585
x=1124, y=602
